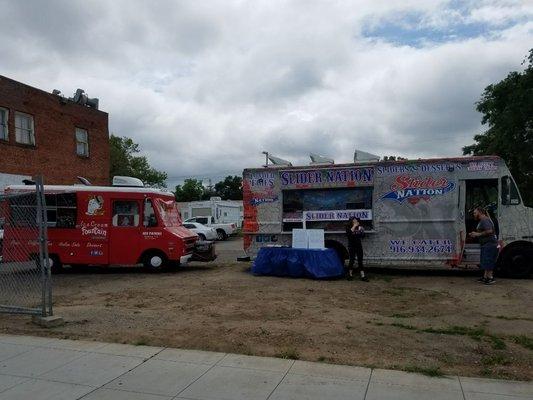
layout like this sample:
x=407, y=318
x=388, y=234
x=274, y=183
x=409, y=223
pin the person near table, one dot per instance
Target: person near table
x=355, y=232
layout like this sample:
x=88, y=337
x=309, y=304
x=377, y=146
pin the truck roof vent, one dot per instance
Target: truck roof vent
x=276, y=160
x=360, y=156
x=127, y=181
x=84, y=181
x=317, y=159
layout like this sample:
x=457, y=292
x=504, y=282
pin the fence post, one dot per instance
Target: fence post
x=42, y=221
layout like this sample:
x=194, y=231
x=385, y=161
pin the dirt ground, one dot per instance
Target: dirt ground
x=428, y=322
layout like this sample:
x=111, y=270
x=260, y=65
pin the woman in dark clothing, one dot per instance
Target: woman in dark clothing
x=355, y=233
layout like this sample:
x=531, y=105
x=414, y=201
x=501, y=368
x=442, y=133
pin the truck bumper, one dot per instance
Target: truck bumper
x=204, y=251
x=185, y=259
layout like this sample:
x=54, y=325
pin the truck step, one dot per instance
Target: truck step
x=471, y=254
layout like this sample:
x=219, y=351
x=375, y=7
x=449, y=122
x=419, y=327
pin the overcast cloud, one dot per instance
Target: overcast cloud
x=205, y=86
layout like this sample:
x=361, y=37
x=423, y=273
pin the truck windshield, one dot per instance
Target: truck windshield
x=169, y=213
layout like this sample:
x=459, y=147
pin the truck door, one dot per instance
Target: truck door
x=461, y=213
x=477, y=193
x=125, y=231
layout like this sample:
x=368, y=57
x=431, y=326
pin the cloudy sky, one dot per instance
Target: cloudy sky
x=205, y=86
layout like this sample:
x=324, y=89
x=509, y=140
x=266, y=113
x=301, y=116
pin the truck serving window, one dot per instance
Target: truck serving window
x=61, y=210
x=295, y=202
x=125, y=213
x=509, y=193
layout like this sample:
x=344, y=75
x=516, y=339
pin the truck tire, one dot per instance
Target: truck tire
x=221, y=235
x=516, y=262
x=154, y=261
x=201, y=236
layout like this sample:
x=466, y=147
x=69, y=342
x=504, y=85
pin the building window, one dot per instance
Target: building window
x=3, y=124
x=82, y=142
x=24, y=132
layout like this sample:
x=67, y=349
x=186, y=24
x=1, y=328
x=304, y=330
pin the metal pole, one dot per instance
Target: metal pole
x=48, y=277
x=39, y=200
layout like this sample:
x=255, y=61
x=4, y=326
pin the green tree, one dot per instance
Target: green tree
x=125, y=162
x=191, y=190
x=230, y=188
x=507, y=108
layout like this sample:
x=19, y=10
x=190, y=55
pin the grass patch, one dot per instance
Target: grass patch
x=404, y=326
x=497, y=343
x=349, y=327
x=385, y=278
x=507, y=318
x=428, y=371
x=495, y=359
x=474, y=333
x=289, y=354
x=524, y=341
x=321, y=359
x=402, y=315
x=141, y=342
x=397, y=291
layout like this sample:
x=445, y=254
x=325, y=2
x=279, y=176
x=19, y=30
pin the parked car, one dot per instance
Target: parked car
x=203, y=232
x=223, y=230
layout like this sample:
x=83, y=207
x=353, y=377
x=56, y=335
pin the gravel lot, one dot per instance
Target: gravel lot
x=432, y=322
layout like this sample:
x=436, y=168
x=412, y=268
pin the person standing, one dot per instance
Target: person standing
x=355, y=233
x=488, y=241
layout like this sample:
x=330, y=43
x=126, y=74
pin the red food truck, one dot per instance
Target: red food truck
x=101, y=225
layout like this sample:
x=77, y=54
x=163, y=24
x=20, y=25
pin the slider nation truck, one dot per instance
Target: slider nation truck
x=415, y=212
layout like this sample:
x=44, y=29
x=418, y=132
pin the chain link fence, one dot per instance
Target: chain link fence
x=25, y=285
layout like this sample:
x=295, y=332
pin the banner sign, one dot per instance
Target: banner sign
x=414, y=189
x=337, y=215
x=345, y=176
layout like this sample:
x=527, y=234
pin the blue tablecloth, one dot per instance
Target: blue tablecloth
x=284, y=261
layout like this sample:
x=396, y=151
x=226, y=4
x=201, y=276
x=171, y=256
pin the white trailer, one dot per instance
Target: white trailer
x=222, y=211
x=415, y=212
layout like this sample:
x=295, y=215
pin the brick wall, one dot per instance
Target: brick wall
x=54, y=154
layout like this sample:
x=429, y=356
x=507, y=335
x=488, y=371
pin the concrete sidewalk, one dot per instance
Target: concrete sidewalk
x=43, y=368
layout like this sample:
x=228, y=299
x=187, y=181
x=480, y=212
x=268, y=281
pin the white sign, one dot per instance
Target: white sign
x=299, y=239
x=315, y=238
x=337, y=215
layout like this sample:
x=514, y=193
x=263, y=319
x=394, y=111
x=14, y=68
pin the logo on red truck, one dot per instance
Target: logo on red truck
x=415, y=189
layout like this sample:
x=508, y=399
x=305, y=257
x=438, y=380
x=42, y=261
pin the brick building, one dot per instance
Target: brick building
x=47, y=134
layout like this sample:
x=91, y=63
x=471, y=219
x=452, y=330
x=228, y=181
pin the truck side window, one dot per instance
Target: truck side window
x=509, y=193
x=202, y=220
x=61, y=210
x=150, y=219
x=125, y=213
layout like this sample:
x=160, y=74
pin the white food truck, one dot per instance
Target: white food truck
x=415, y=212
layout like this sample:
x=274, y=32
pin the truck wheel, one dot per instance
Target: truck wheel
x=154, y=261
x=516, y=262
x=56, y=267
x=221, y=235
x=201, y=236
